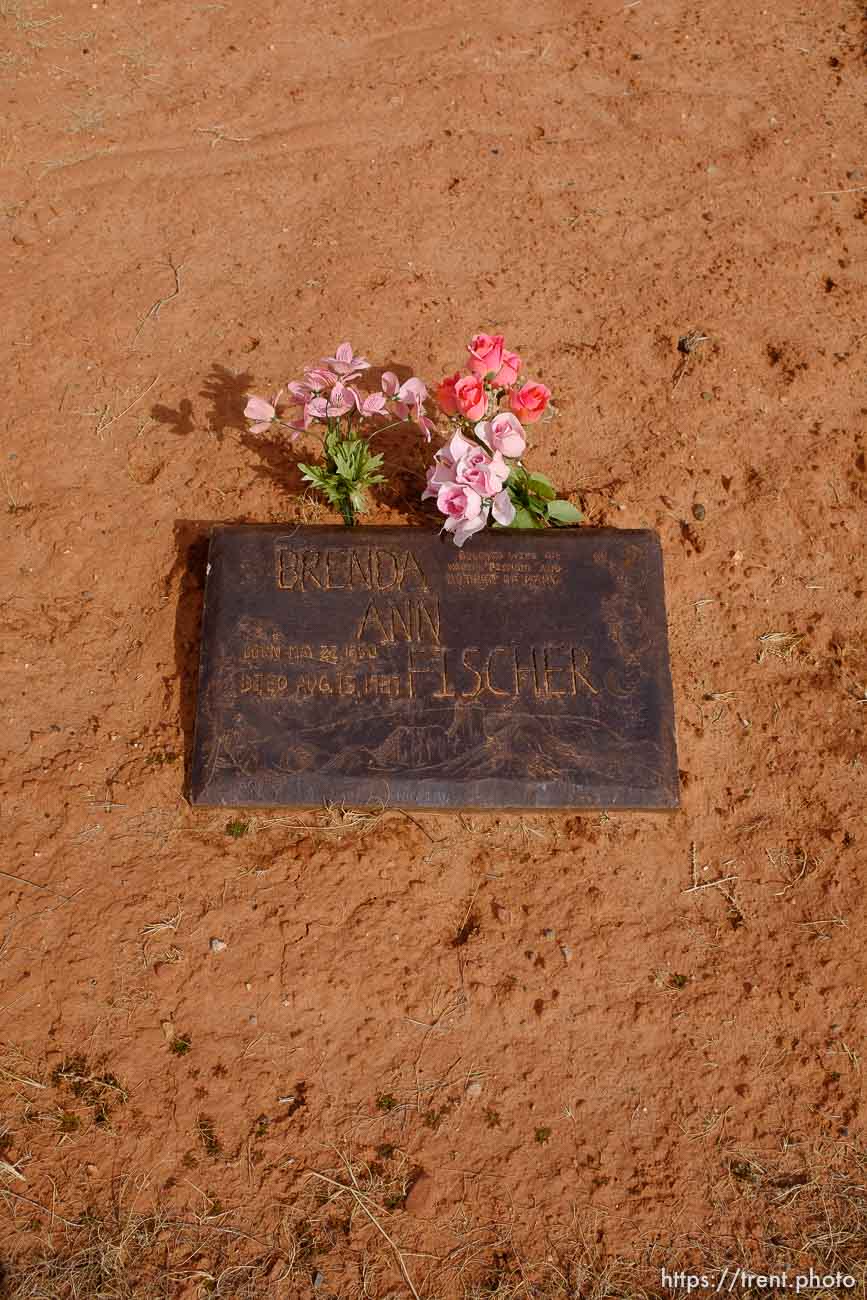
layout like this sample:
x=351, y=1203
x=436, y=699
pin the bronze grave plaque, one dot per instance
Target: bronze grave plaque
x=366, y=665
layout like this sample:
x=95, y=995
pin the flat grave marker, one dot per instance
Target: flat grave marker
x=385, y=665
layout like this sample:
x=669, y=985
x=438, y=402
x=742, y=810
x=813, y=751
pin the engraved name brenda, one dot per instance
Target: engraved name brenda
x=502, y=672
x=348, y=568
x=379, y=569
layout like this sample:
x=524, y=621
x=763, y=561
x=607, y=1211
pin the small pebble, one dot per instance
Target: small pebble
x=566, y=952
x=474, y=1088
x=254, y=1020
x=698, y=511
x=218, y=945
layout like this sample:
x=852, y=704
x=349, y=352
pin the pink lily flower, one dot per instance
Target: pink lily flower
x=344, y=363
x=339, y=401
x=300, y=392
x=319, y=378
x=409, y=404
x=262, y=412
x=373, y=404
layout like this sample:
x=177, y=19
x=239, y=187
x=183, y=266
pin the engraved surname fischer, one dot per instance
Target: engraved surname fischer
x=365, y=568
x=431, y=671
x=439, y=669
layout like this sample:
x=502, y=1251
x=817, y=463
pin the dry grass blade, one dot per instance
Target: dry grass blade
x=122, y=1254
x=795, y=868
x=335, y=819
x=158, y=927
x=360, y=1200
x=779, y=644
x=154, y=310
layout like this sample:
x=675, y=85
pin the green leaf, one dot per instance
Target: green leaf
x=542, y=486
x=523, y=519
x=564, y=513
x=314, y=474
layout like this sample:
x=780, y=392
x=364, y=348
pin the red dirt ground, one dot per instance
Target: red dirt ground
x=611, y=1076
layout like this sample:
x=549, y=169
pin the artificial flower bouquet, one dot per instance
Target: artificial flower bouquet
x=478, y=478
x=329, y=396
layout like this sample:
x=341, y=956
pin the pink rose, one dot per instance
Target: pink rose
x=458, y=501
x=464, y=511
x=508, y=371
x=485, y=474
x=471, y=397
x=432, y=488
x=529, y=402
x=446, y=394
x=444, y=468
x=503, y=433
x=503, y=509
x=486, y=354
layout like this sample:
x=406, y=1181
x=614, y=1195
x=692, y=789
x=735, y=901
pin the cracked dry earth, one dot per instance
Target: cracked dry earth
x=461, y=1056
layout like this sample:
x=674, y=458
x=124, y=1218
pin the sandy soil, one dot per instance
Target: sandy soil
x=610, y=1075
